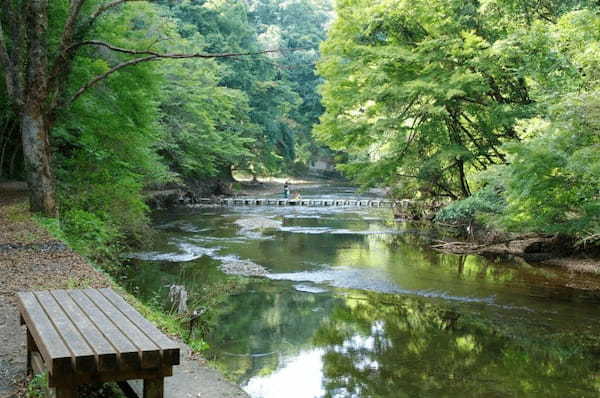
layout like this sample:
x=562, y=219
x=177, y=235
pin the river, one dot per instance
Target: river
x=353, y=304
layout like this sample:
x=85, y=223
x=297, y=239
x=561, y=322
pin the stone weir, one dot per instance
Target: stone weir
x=309, y=202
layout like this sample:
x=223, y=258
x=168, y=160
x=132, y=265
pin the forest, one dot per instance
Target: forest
x=103, y=99
x=488, y=107
x=491, y=105
x=316, y=198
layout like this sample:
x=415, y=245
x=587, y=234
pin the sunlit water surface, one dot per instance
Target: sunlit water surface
x=354, y=305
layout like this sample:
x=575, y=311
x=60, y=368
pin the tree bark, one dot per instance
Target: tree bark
x=36, y=151
x=464, y=184
x=35, y=126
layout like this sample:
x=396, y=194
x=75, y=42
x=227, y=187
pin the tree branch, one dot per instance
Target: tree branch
x=109, y=72
x=71, y=23
x=173, y=55
x=62, y=63
x=152, y=56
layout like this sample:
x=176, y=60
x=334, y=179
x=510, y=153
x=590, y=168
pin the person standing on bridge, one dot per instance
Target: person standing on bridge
x=286, y=190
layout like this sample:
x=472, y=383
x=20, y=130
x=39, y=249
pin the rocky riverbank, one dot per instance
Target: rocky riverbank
x=549, y=250
x=535, y=249
x=31, y=259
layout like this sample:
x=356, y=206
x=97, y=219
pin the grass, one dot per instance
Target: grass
x=18, y=212
x=37, y=386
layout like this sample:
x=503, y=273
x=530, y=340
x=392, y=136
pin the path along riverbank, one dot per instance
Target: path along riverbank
x=31, y=259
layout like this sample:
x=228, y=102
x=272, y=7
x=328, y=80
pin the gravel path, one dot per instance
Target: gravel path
x=12, y=349
x=30, y=259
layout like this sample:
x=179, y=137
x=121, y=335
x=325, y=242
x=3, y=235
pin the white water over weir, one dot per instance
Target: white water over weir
x=312, y=202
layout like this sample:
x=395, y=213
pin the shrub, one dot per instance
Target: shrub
x=487, y=201
x=89, y=234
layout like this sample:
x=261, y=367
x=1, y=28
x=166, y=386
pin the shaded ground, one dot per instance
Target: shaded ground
x=30, y=259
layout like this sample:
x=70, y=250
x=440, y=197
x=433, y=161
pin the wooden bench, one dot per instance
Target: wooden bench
x=93, y=336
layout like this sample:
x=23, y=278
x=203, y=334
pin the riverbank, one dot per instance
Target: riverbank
x=463, y=239
x=32, y=259
x=534, y=249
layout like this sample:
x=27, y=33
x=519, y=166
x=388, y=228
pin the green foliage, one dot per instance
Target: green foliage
x=198, y=345
x=106, y=141
x=37, y=386
x=89, y=234
x=552, y=181
x=429, y=98
x=278, y=102
x=485, y=202
x=172, y=121
x=421, y=94
x=207, y=126
x=551, y=184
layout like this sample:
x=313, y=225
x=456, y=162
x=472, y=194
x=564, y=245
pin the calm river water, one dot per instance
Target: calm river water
x=354, y=305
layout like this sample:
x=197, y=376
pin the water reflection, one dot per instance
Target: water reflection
x=356, y=306
x=390, y=346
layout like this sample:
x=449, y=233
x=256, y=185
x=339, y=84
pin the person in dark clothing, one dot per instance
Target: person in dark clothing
x=286, y=190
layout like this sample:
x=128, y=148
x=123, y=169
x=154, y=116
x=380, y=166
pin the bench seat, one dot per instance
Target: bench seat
x=92, y=335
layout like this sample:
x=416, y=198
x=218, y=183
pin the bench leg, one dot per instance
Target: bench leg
x=154, y=388
x=30, y=349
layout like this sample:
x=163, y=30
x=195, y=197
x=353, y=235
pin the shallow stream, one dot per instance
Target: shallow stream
x=353, y=304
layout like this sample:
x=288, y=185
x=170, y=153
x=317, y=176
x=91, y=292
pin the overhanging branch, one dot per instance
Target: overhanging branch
x=111, y=47
x=152, y=56
x=109, y=72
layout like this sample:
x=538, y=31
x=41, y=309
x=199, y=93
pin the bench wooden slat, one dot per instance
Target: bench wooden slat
x=128, y=354
x=84, y=359
x=149, y=351
x=105, y=353
x=55, y=353
x=169, y=348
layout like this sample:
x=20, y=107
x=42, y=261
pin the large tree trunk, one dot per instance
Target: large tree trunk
x=36, y=151
x=34, y=116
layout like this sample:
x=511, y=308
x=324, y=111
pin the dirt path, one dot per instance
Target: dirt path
x=31, y=259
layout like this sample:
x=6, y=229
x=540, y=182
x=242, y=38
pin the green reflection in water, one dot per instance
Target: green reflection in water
x=269, y=323
x=391, y=346
x=534, y=336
